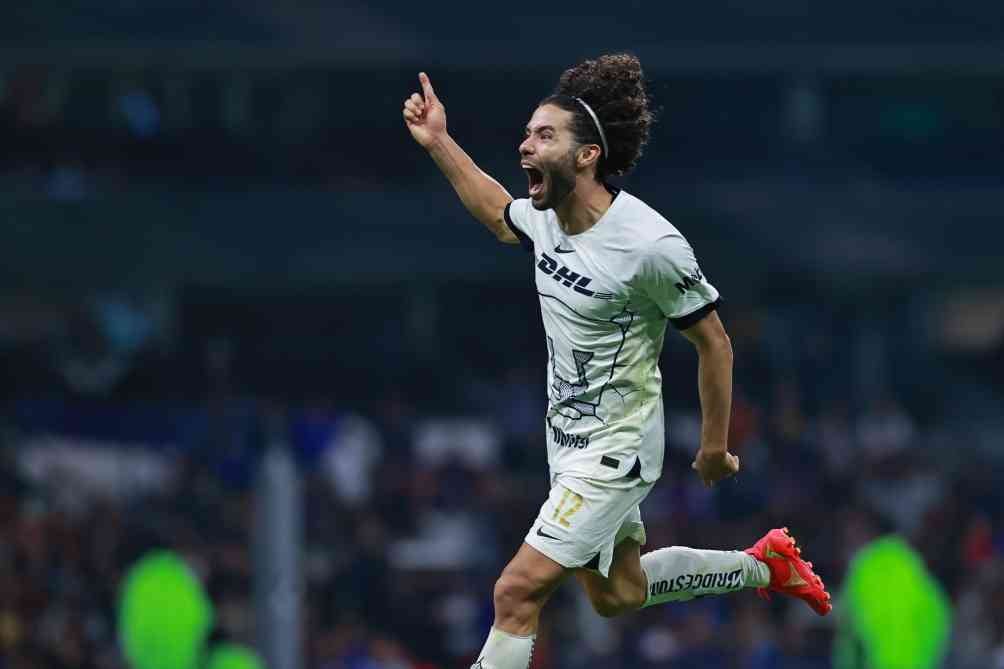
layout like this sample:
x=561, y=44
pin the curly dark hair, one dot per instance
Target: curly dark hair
x=613, y=86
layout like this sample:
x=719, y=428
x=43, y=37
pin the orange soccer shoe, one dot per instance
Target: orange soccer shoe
x=789, y=573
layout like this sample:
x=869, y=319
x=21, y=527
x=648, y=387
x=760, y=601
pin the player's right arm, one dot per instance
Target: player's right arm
x=484, y=197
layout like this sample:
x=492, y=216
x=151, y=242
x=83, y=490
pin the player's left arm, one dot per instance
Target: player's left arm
x=673, y=280
x=713, y=461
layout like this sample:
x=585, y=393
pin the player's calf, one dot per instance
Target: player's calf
x=679, y=573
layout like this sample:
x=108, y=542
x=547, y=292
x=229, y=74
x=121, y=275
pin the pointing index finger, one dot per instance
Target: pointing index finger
x=427, y=91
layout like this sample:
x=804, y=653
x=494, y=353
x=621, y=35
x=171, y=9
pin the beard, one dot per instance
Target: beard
x=559, y=182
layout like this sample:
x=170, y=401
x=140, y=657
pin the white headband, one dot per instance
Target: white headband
x=596, y=120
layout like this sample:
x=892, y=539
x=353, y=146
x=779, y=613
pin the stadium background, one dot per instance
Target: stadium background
x=243, y=317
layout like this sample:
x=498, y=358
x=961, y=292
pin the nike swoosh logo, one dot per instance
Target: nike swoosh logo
x=542, y=533
x=794, y=579
x=558, y=249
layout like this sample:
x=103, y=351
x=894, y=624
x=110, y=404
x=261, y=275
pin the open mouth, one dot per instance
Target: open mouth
x=536, y=178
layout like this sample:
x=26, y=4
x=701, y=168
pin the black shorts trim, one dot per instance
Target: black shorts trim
x=691, y=319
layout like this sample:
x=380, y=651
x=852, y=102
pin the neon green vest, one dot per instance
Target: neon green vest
x=164, y=614
x=894, y=614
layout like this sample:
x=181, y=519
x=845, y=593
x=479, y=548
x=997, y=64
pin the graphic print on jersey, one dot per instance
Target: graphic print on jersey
x=571, y=397
x=565, y=392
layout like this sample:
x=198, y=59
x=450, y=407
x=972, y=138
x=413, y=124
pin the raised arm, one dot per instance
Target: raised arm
x=713, y=461
x=484, y=197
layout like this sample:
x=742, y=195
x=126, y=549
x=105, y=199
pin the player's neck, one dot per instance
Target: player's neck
x=584, y=206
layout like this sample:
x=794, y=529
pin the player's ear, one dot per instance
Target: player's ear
x=588, y=154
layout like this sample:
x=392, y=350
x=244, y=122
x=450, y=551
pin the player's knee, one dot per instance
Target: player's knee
x=635, y=598
x=607, y=606
x=513, y=596
x=613, y=604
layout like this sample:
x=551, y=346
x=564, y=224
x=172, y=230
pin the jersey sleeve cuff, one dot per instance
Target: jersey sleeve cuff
x=524, y=240
x=691, y=319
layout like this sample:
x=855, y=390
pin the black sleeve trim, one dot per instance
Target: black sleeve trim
x=524, y=240
x=691, y=319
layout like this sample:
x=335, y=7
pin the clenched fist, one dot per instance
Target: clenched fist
x=714, y=466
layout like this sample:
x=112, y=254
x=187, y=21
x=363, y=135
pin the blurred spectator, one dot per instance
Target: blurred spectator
x=884, y=430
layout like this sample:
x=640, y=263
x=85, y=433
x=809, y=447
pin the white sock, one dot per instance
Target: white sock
x=678, y=573
x=505, y=651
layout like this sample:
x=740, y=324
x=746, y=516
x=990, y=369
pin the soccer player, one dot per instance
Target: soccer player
x=609, y=272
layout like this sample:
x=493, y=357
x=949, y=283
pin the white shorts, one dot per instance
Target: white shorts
x=583, y=520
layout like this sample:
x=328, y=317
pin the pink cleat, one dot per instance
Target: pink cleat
x=789, y=573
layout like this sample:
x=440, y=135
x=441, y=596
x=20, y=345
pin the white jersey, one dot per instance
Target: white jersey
x=605, y=296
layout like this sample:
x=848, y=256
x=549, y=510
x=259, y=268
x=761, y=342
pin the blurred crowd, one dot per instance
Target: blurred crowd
x=73, y=134
x=412, y=509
